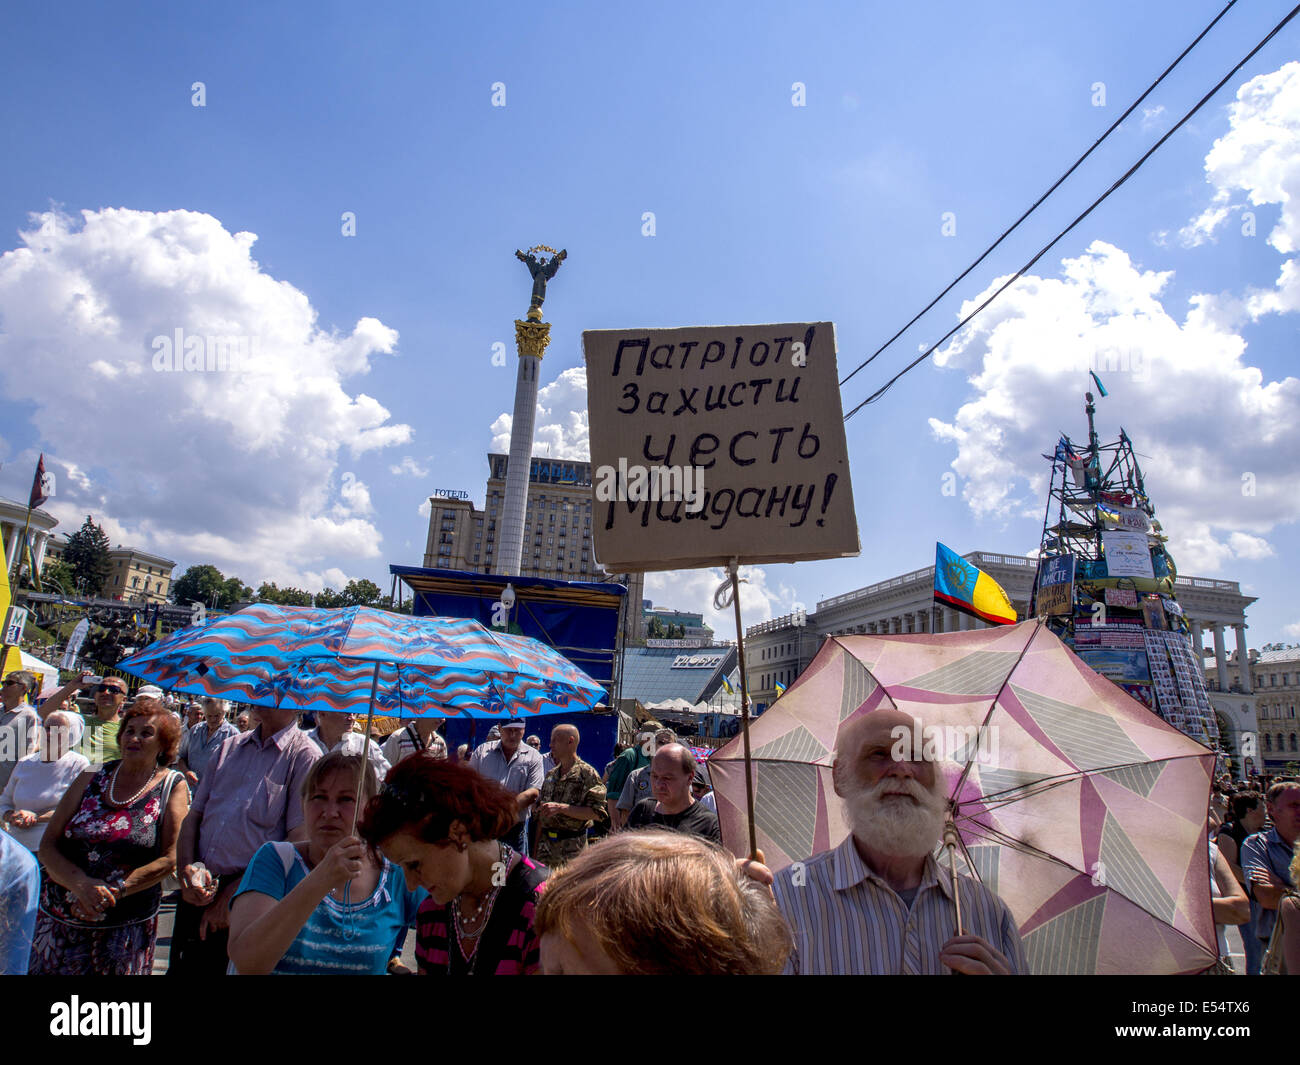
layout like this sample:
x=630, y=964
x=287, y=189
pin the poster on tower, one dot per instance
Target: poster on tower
x=717, y=442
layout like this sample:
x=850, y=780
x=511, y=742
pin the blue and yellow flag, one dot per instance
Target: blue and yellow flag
x=780, y=689
x=726, y=684
x=964, y=587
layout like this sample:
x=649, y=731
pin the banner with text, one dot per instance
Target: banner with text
x=715, y=443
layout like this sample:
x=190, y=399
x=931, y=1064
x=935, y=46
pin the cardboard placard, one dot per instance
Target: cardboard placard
x=1056, y=585
x=717, y=442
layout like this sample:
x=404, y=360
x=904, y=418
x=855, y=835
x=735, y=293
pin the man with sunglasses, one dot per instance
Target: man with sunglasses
x=19, y=723
x=99, y=744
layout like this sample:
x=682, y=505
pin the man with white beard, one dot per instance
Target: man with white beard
x=879, y=903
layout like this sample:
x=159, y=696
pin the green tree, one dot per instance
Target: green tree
x=270, y=593
x=203, y=584
x=329, y=599
x=57, y=572
x=87, y=556
x=233, y=590
x=655, y=630
x=361, y=593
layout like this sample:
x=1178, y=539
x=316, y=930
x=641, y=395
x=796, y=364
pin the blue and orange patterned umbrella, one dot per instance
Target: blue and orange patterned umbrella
x=366, y=661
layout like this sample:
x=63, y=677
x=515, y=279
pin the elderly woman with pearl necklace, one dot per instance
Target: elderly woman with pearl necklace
x=106, y=851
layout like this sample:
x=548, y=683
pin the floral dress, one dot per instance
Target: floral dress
x=106, y=842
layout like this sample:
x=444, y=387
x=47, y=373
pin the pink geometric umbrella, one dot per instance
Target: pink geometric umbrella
x=1078, y=806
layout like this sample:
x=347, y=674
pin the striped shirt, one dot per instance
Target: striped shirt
x=508, y=945
x=1265, y=852
x=406, y=741
x=250, y=794
x=847, y=921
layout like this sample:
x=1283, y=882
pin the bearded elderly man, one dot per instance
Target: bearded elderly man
x=878, y=903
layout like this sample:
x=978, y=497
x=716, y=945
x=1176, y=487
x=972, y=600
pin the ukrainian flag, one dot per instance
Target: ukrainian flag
x=963, y=587
x=780, y=689
x=726, y=684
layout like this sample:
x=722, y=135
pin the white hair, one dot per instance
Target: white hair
x=896, y=825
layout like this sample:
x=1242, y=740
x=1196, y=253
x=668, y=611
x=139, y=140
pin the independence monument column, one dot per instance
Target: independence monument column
x=531, y=338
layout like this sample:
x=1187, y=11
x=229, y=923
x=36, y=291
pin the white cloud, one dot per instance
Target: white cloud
x=1244, y=545
x=408, y=465
x=1201, y=228
x=355, y=497
x=561, y=428
x=1152, y=116
x=1216, y=440
x=1293, y=629
x=237, y=468
x=424, y=508
x=1260, y=157
x=693, y=590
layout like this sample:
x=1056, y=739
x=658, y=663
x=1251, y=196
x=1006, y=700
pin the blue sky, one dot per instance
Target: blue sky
x=763, y=211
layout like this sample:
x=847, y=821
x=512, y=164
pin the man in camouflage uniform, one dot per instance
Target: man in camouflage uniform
x=572, y=799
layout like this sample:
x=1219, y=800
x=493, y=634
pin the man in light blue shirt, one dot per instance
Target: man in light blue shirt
x=1266, y=856
x=202, y=740
x=512, y=763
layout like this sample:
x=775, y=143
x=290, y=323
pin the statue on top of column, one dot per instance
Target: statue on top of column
x=542, y=270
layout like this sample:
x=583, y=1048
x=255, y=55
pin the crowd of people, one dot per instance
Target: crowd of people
x=299, y=847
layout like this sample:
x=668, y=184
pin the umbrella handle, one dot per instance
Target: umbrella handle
x=365, y=751
x=951, y=840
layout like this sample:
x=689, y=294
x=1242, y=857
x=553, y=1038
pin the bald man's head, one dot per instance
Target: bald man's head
x=871, y=740
x=564, y=742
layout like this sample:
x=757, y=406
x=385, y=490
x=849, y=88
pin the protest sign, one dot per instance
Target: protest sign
x=717, y=442
x=1056, y=585
x=1127, y=554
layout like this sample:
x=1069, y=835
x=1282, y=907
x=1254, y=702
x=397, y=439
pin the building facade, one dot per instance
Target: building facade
x=13, y=518
x=693, y=626
x=137, y=576
x=557, y=530
x=777, y=651
x=1271, y=685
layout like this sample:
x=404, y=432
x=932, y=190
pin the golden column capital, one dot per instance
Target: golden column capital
x=531, y=338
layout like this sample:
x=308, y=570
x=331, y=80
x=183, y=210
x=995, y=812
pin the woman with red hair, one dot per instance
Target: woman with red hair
x=439, y=822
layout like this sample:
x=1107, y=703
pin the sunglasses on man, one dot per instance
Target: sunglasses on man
x=110, y=688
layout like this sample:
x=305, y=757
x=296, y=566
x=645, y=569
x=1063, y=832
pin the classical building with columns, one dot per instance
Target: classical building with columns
x=13, y=515
x=778, y=650
x=1271, y=684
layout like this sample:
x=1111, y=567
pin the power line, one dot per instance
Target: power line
x=1038, y=202
x=1091, y=207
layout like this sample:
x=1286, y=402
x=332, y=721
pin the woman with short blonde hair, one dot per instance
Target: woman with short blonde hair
x=656, y=902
